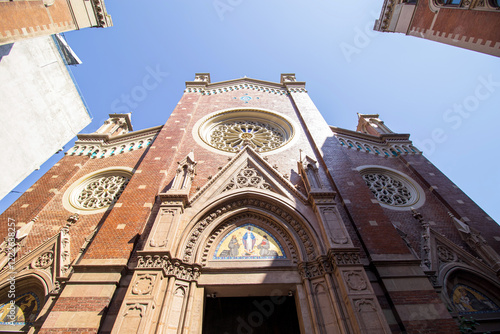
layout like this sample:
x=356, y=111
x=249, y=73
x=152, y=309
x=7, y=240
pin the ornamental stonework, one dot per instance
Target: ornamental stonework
x=355, y=281
x=388, y=189
x=43, y=261
x=445, y=254
x=172, y=267
x=102, y=191
x=232, y=136
x=248, y=177
x=144, y=284
x=202, y=225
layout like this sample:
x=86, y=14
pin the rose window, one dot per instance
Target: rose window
x=232, y=136
x=95, y=193
x=390, y=188
x=231, y=131
x=102, y=192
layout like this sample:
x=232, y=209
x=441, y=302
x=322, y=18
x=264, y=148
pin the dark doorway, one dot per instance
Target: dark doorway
x=250, y=315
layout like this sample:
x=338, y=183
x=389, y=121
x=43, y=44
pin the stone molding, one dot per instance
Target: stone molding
x=172, y=267
x=222, y=210
x=326, y=264
x=206, y=88
x=250, y=155
x=389, y=148
x=233, y=222
x=236, y=87
x=98, y=146
x=345, y=257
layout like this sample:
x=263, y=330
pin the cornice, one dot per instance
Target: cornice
x=108, y=140
x=383, y=138
x=102, y=16
x=219, y=89
x=244, y=80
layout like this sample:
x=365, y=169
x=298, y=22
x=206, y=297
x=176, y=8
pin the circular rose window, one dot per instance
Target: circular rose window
x=393, y=190
x=97, y=192
x=231, y=131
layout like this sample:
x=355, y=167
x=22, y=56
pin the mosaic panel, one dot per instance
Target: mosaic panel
x=248, y=242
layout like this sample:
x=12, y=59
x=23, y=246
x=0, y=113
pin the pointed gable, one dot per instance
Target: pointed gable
x=248, y=169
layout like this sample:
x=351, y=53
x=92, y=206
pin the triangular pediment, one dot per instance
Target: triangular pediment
x=443, y=252
x=247, y=177
x=43, y=258
x=248, y=170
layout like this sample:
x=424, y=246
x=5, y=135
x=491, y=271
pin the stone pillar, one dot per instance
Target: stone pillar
x=341, y=296
x=162, y=297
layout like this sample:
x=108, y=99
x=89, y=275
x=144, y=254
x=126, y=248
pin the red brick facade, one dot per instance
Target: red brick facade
x=473, y=25
x=413, y=260
x=32, y=18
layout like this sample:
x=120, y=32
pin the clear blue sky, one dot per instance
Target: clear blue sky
x=447, y=98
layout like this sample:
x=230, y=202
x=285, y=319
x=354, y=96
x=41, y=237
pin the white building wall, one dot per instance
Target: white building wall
x=41, y=110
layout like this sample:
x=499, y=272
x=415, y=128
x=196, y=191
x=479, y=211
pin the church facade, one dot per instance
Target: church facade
x=247, y=213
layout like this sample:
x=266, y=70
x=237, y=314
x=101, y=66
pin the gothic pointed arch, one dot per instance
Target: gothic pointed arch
x=22, y=299
x=471, y=294
x=249, y=236
x=287, y=226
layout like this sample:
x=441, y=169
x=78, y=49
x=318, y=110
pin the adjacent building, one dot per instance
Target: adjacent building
x=247, y=213
x=33, y=18
x=41, y=105
x=472, y=25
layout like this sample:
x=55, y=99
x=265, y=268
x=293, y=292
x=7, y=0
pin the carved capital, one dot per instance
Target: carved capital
x=316, y=268
x=344, y=258
x=171, y=266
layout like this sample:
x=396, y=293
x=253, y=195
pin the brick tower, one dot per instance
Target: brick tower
x=247, y=213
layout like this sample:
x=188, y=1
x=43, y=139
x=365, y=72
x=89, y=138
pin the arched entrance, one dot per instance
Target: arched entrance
x=237, y=257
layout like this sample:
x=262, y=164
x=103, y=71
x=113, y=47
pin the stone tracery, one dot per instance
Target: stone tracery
x=248, y=177
x=102, y=191
x=388, y=189
x=231, y=136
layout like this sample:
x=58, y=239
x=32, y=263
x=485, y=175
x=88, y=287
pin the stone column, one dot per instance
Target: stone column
x=162, y=297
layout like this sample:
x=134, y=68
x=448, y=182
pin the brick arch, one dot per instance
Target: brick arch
x=196, y=238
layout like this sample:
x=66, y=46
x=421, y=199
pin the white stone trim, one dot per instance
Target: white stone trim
x=418, y=195
x=99, y=147
x=378, y=148
x=203, y=126
x=236, y=87
x=68, y=199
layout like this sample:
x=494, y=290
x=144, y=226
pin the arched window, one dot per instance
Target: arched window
x=20, y=313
